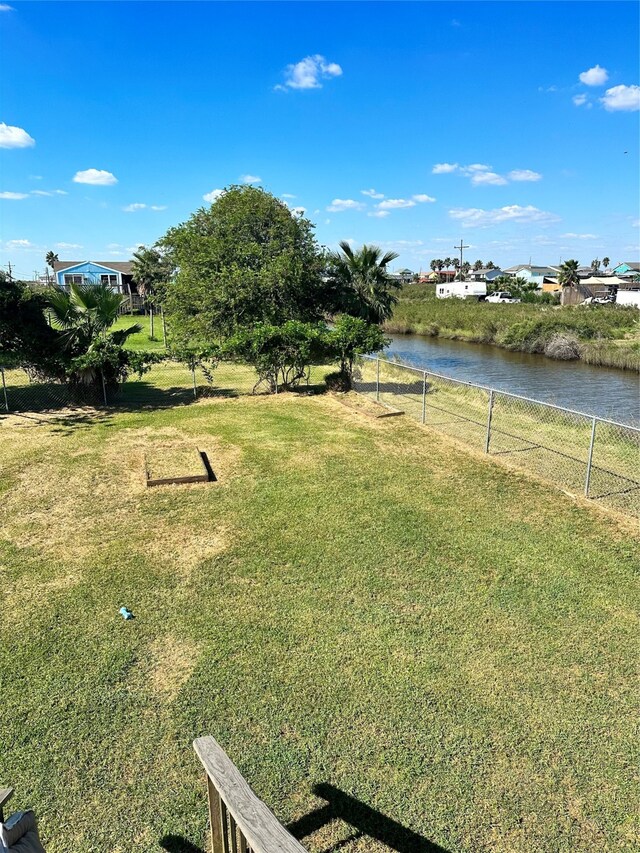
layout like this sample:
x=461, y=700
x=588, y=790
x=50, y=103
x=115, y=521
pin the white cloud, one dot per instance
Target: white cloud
x=298, y=211
x=396, y=204
x=308, y=73
x=422, y=197
x=213, y=195
x=482, y=178
x=635, y=223
x=250, y=179
x=68, y=246
x=4, y=7
x=571, y=236
x=622, y=98
x=287, y=195
x=340, y=204
x=14, y=137
x=19, y=244
x=49, y=192
x=475, y=167
x=379, y=214
x=595, y=76
x=372, y=193
x=477, y=217
x=579, y=100
x=13, y=196
x=132, y=208
x=134, y=248
x=524, y=175
x=114, y=246
x=97, y=177
x=444, y=168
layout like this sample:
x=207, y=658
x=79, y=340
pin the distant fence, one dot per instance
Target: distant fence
x=578, y=453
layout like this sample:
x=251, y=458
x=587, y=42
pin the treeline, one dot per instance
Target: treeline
x=243, y=279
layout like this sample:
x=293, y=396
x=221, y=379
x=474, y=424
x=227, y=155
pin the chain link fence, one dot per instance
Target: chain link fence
x=168, y=383
x=578, y=453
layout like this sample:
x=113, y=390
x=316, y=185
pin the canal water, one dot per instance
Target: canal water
x=600, y=391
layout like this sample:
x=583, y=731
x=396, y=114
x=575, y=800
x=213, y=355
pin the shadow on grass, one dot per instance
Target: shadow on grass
x=364, y=819
x=178, y=844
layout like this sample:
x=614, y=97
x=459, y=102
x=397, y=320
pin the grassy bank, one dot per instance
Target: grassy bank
x=600, y=335
x=354, y=602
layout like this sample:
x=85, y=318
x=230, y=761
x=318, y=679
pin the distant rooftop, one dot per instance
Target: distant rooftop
x=119, y=266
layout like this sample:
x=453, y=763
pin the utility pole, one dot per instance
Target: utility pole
x=460, y=248
x=10, y=271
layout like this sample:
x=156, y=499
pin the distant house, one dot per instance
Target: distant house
x=405, y=276
x=118, y=275
x=627, y=268
x=484, y=274
x=532, y=273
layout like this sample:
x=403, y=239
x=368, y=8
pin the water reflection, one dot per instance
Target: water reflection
x=599, y=391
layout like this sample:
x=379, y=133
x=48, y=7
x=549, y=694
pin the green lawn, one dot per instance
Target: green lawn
x=353, y=603
x=142, y=340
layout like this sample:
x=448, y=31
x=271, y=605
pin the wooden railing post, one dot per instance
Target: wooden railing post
x=215, y=818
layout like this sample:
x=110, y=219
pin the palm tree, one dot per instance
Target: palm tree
x=606, y=262
x=50, y=259
x=568, y=275
x=595, y=265
x=433, y=265
x=84, y=314
x=490, y=265
x=363, y=282
x=447, y=263
x=150, y=269
x=477, y=266
x=466, y=266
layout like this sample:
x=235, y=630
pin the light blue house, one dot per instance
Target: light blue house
x=533, y=274
x=627, y=268
x=116, y=274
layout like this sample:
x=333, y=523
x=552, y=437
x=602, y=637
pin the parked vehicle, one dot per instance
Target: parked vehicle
x=501, y=296
x=462, y=290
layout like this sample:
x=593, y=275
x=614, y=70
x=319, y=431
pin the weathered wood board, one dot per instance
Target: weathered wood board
x=175, y=463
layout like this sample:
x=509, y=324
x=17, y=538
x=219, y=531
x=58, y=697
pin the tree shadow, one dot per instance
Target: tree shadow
x=178, y=844
x=365, y=820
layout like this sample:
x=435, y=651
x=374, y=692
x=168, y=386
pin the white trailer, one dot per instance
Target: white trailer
x=628, y=297
x=461, y=290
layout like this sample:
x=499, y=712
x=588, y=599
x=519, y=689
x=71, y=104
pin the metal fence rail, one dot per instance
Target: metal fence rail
x=578, y=453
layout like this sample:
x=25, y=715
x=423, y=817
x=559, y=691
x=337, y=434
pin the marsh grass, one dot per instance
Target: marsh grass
x=608, y=335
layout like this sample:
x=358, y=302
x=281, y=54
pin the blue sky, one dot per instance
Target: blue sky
x=461, y=119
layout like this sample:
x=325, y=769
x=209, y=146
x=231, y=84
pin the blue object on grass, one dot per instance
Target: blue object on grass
x=125, y=613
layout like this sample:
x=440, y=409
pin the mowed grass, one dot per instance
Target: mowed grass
x=142, y=340
x=354, y=602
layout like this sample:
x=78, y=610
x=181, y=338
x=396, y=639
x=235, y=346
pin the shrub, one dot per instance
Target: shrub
x=562, y=346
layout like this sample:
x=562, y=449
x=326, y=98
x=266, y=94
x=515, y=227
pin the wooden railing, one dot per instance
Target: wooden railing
x=240, y=821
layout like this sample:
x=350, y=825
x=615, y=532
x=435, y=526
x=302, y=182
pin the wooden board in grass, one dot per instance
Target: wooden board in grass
x=175, y=463
x=367, y=405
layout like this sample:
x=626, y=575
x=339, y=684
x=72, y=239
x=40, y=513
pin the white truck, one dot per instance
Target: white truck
x=501, y=296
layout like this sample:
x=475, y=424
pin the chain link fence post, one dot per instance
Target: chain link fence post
x=164, y=327
x=104, y=389
x=195, y=387
x=489, y=416
x=4, y=390
x=587, y=479
x=378, y=379
x=424, y=397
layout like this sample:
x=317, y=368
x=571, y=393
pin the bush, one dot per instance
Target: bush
x=350, y=337
x=562, y=346
x=281, y=355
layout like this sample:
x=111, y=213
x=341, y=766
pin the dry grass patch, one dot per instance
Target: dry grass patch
x=172, y=662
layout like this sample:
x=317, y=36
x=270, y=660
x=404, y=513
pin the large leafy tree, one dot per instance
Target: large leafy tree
x=246, y=259
x=568, y=275
x=26, y=339
x=361, y=281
